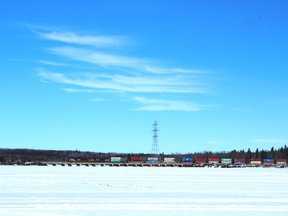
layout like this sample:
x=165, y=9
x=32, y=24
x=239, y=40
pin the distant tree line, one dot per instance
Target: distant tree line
x=32, y=155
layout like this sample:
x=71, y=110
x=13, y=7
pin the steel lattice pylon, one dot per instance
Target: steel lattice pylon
x=155, y=147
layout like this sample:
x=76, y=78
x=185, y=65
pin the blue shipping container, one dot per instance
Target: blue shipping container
x=153, y=160
x=187, y=159
x=268, y=160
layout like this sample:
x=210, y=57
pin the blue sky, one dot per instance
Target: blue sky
x=95, y=75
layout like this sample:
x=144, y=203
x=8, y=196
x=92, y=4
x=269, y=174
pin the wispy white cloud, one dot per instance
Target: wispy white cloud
x=52, y=63
x=111, y=60
x=114, y=73
x=124, y=83
x=166, y=105
x=270, y=140
x=99, y=58
x=163, y=70
x=97, y=82
x=73, y=90
x=71, y=37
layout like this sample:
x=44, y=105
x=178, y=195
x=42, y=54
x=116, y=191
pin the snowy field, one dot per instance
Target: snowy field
x=142, y=191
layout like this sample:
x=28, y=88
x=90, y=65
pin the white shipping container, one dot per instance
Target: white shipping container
x=169, y=160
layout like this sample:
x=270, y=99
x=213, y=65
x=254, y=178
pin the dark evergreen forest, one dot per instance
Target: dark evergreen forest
x=32, y=155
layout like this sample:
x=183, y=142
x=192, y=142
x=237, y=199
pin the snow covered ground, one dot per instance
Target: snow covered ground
x=142, y=191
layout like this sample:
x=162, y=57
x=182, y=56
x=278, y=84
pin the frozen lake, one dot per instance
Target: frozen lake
x=142, y=191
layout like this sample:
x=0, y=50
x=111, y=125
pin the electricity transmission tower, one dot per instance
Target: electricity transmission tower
x=155, y=147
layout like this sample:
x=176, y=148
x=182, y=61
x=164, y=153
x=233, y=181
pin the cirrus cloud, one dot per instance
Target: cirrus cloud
x=73, y=38
x=166, y=105
x=113, y=73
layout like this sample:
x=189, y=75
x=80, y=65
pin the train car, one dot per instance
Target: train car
x=169, y=160
x=152, y=160
x=255, y=161
x=187, y=160
x=116, y=160
x=71, y=160
x=239, y=161
x=136, y=159
x=213, y=160
x=268, y=161
x=200, y=160
x=281, y=161
x=226, y=161
x=124, y=159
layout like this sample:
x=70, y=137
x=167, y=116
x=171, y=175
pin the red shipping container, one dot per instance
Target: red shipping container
x=281, y=161
x=136, y=158
x=213, y=160
x=200, y=160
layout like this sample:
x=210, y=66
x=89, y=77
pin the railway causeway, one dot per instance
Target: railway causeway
x=131, y=164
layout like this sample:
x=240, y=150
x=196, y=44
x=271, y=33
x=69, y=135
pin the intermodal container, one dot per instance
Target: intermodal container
x=213, y=160
x=107, y=160
x=255, y=161
x=226, y=160
x=152, y=160
x=200, y=160
x=116, y=159
x=268, y=161
x=281, y=161
x=239, y=161
x=136, y=159
x=187, y=160
x=123, y=159
x=169, y=160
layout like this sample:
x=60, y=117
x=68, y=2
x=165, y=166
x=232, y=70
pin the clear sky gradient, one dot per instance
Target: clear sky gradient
x=94, y=75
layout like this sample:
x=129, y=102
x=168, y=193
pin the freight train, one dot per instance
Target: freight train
x=189, y=160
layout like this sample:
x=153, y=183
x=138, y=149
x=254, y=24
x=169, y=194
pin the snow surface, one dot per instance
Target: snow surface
x=142, y=191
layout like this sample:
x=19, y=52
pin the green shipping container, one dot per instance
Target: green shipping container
x=226, y=160
x=115, y=159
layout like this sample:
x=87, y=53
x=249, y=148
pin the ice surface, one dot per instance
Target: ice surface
x=142, y=191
